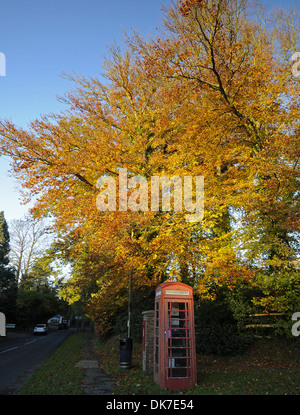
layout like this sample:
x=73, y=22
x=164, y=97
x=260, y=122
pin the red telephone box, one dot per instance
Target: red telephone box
x=174, y=345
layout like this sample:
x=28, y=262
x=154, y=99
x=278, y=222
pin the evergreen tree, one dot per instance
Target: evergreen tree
x=4, y=240
x=8, y=285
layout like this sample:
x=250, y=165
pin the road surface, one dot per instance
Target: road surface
x=21, y=356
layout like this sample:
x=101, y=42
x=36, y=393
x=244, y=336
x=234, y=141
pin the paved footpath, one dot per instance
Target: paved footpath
x=95, y=381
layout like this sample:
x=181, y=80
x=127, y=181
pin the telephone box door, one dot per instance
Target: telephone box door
x=174, y=354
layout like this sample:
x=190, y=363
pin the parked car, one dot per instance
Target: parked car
x=40, y=329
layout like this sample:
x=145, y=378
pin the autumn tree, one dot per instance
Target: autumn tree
x=237, y=59
x=214, y=96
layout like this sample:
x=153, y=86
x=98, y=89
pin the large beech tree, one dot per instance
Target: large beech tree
x=213, y=96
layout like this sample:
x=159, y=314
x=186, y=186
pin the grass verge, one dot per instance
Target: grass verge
x=270, y=367
x=57, y=375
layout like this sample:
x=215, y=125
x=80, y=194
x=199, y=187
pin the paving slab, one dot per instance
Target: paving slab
x=87, y=364
x=95, y=381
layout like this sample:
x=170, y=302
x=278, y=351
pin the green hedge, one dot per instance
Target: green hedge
x=216, y=330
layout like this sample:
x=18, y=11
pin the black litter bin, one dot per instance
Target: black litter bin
x=125, y=353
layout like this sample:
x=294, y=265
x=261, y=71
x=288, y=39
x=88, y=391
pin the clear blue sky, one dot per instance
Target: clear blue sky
x=41, y=39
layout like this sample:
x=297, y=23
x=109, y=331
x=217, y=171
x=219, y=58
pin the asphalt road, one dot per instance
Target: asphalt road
x=21, y=356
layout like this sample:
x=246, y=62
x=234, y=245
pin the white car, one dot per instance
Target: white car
x=40, y=329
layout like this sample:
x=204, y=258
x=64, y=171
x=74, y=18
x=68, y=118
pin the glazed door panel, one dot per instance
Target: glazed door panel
x=178, y=340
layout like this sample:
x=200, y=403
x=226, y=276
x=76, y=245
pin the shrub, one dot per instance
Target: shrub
x=216, y=330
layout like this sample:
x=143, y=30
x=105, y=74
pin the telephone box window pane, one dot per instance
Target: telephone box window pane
x=179, y=342
x=181, y=362
x=178, y=323
x=171, y=362
x=179, y=352
x=179, y=373
x=175, y=323
x=177, y=333
x=178, y=362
